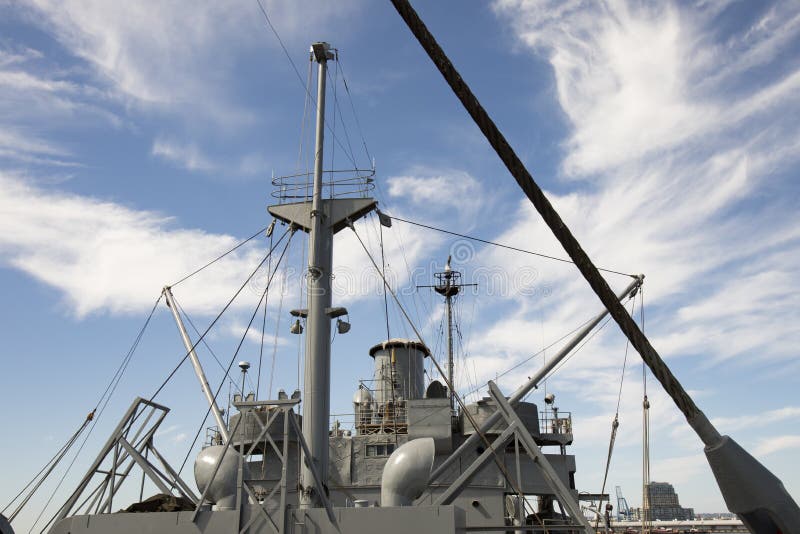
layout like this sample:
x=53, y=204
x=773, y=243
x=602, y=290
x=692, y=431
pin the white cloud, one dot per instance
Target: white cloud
x=774, y=444
x=15, y=57
x=666, y=200
x=187, y=156
x=438, y=192
x=768, y=417
x=120, y=42
x=36, y=100
x=15, y=142
x=151, y=59
x=24, y=81
x=106, y=257
x=680, y=469
x=355, y=275
x=632, y=82
x=237, y=330
x=679, y=149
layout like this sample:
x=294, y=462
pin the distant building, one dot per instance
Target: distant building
x=664, y=503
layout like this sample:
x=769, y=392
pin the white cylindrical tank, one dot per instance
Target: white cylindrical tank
x=400, y=361
x=223, y=487
x=362, y=406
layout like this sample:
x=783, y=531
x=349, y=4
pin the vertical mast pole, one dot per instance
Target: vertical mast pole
x=448, y=284
x=316, y=385
x=450, y=366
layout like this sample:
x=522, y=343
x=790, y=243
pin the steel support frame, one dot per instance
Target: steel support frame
x=245, y=491
x=516, y=429
x=128, y=443
x=562, y=492
x=532, y=383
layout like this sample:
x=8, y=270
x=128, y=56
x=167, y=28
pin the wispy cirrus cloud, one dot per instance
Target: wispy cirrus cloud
x=638, y=80
x=16, y=56
x=187, y=156
x=119, y=41
x=680, y=144
x=132, y=63
x=672, y=164
x=35, y=103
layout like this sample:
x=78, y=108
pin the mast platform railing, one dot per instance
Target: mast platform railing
x=343, y=183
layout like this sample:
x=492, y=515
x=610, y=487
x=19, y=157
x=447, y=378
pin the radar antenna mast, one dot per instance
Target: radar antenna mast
x=448, y=284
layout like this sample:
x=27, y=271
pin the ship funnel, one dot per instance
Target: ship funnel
x=406, y=473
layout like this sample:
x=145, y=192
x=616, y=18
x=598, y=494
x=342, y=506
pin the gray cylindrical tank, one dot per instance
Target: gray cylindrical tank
x=403, y=360
x=224, y=483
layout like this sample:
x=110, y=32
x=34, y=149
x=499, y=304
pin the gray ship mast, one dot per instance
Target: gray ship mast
x=316, y=381
x=457, y=500
x=448, y=284
x=321, y=218
x=449, y=288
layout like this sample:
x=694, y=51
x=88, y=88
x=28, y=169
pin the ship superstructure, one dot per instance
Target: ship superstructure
x=419, y=458
x=417, y=455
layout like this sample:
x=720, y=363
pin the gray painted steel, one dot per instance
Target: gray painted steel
x=399, y=371
x=372, y=484
x=316, y=382
x=5, y=526
x=431, y=418
x=405, y=474
x=753, y=493
x=198, y=368
x=533, y=381
x=347, y=520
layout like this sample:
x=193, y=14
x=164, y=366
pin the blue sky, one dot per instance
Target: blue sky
x=138, y=141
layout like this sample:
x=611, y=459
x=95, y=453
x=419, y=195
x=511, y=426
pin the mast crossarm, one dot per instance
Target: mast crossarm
x=335, y=212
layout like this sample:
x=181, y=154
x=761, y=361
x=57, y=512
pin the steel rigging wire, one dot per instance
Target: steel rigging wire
x=615, y=422
x=215, y=260
x=275, y=338
x=297, y=73
x=210, y=350
x=238, y=348
x=694, y=416
x=104, y=400
x=353, y=108
x=219, y=315
x=122, y=368
x=264, y=323
x=500, y=245
x=457, y=397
